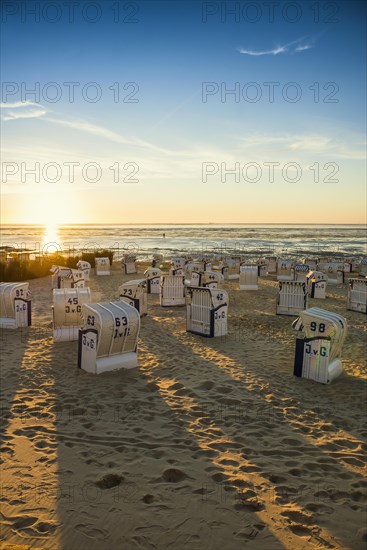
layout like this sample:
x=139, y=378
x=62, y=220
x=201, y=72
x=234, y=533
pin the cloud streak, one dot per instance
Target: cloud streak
x=31, y=113
x=298, y=45
x=23, y=109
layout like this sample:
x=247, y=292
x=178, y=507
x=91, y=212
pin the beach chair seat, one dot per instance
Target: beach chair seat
x=85, y=267
x=172, y=290
x=311, y=263
x=357, y=295
x=249, y=277
x=231, y=269
x=316, y=284
x=108, y=339
x=292, y=298
x=102, y=266
x=211, y=279
x=272, y=264
x=262, y=267
x=128, y=264
x=135, y=293
x=363, y=267
x=153, y=278
x=178, y=263
x=206, y=311
x=300, y=272
x=67, y=312
x=333, y=270
x=66, y=277
x=15, y=305
x=318, y=351
x=285, y=270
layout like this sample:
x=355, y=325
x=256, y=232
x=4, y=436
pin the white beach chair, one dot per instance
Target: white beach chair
x=206, y=311
x=311, y=263
x=272, y=264
x=67, y=312
x=108, y=339
x=357, y=295
x=211, y=279
x=263, y=267
x=85, y=267
x=285, y=270
x=128, y=264
x=231, y=269
x=249, y=277
x=66, y=277
x=178, y=263
x=15, y=305
x=172, y=290
x=318, y=352
x=153, y=277
x=102, y=266
x=333, y=270
x=292, y=298
x=363, y=267
x=300, y=272
x=135, y=293
x=316, y=284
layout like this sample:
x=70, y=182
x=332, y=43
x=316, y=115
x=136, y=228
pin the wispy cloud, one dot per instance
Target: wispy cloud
x=298, y=45
x=303, y=48
x=23, y=109
x=31, y=113
x=350, y=148
x=100, y=131
x=274, y=51
x=17, y=104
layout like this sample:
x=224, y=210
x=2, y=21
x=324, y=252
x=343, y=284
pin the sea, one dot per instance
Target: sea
x=191, y=239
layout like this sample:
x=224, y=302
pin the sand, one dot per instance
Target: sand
x=208, y=444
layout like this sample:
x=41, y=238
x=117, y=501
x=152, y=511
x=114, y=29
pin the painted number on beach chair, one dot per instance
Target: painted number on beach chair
x=313, y=327
x=90, y=320
x=126, y=292
x=21, y=308
x=19, y=292
x=121, y=322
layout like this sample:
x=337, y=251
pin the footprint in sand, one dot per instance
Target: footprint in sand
x=206, y=385
x=319, y=508
x=276, y=479
x=204, y=453
x=173, y=475
x=92, y=532
x=300, y=530
x=297, y=516
x=219, y=477
x=148, y=499
x=224, y=389
x=109, y=480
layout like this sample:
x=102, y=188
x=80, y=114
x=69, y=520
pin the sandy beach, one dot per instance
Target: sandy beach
x=208, y=444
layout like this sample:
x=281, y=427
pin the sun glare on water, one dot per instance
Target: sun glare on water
x=51, y=237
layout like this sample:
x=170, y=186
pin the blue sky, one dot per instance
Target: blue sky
x=168, y=53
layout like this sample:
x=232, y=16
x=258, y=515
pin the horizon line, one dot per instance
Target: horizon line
x=176, y=223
